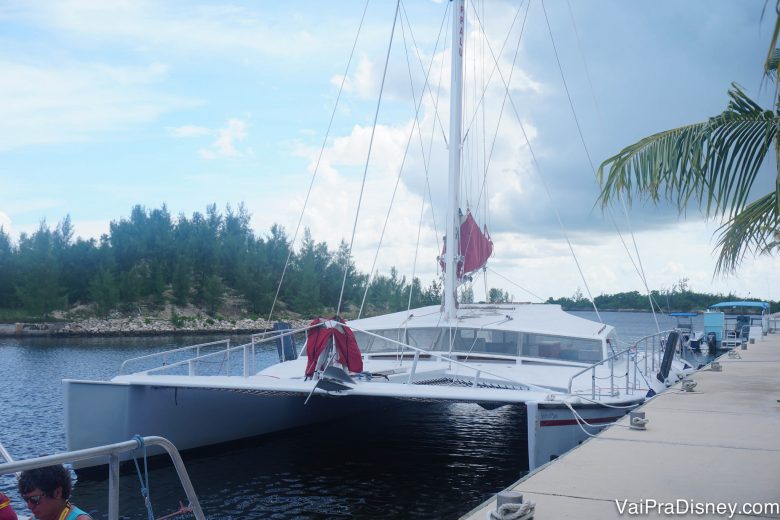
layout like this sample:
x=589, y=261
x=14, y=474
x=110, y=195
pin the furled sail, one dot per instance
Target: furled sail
x=318, y=339
x=475, y=246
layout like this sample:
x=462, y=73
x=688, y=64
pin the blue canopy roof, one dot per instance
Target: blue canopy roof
x=763, y=305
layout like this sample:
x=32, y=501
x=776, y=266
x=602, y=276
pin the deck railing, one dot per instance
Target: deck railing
x=219, y=352
x=111, y=451
x=640, y=359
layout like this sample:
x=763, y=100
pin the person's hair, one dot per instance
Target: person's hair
x=47, y=480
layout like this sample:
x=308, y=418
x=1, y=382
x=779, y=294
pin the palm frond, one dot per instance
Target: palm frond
x=714, y=163
x=770, y=64
x=755, y=230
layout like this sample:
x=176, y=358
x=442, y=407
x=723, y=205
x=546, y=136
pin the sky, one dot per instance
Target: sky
x=108, y=104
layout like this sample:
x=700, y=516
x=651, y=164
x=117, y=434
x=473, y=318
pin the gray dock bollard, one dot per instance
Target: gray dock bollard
x=510, y=505
x=637, y=420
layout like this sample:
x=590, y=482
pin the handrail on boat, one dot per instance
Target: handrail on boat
x=615, y=356
x=248, y=348
x=172, y=351
x=199, y=357
x=113, y=451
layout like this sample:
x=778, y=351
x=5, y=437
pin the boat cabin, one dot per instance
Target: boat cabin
x=490, y=332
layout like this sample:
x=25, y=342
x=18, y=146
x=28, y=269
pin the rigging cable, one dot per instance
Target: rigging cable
x=640, y=269
x=368, y=156
x=416, y=125
x=541, y=300
x=426, y=160
x=544, y=184
x=503, y=102
x=582, y=139
x=317, y=165
x=488, y=157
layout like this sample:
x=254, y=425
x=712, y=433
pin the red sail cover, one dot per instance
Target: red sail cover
x=317, y=340
x=475, y=246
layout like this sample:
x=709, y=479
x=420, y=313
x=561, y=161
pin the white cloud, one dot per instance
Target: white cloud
x=5, y=222
x=227, y=139
x=147, y=25
x=73, y=102
x=87, y=229
x=364, y=81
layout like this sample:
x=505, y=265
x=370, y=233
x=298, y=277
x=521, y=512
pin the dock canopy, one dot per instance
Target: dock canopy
x=763, y=305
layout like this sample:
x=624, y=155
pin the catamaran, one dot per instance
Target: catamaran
x=571, y=374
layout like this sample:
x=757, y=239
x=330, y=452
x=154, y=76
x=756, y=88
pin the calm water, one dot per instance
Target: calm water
x=394, y=463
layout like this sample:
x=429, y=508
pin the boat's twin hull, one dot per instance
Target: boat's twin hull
x=99, y=413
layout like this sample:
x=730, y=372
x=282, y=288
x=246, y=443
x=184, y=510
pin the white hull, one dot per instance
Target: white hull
x=100, y=413
x=554, y=429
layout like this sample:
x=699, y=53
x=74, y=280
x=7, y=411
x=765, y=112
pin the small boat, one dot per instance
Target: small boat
x=571, y=374
x=689, y=338
x=729, y=325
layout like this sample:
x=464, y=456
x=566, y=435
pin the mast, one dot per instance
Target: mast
x=449, y=299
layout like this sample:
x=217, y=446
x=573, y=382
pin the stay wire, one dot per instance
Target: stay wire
x=541, y=300
x=317, y=165
x=368, y=156
x=503, y=102
x=488, y=157
x=547, y=190
x=640, y=270
x=426, y=160
x=415, y=125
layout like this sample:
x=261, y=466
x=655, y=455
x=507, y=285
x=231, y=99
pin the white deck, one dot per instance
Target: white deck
x=535, y=318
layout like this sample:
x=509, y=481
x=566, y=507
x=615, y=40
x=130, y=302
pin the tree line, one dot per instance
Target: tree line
x=152, y=258
x=678, y=298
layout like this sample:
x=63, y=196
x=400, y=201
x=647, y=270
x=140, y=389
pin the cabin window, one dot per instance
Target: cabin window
x=485, y=341
x=429, y=339
x=465, y=340
x=369, y=343
x=561, y=347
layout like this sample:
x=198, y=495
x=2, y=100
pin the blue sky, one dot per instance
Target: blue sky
x=110, y=104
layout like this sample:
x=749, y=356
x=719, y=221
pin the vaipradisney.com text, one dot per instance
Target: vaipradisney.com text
x=681, y=506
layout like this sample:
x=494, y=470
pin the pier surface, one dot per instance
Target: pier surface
x=717, y=445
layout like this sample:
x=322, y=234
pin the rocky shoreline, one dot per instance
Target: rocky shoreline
x=139, y=326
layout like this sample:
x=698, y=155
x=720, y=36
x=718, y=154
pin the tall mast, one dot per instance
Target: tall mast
x=449, y=299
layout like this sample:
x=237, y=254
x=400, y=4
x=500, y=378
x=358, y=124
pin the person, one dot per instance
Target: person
x=6, y=511
x=46, y=492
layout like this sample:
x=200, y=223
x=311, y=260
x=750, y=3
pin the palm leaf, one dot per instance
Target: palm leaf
x=714, y=162
x=754, y=230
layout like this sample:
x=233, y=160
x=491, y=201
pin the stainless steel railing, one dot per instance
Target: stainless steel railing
x=112, y=451
x=646, y=350
x=191, y=356
x=168, y=353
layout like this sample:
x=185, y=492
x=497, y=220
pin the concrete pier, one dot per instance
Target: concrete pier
x=717, y=445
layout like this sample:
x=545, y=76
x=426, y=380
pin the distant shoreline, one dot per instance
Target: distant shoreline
x=156, y=326
x=136, y=327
